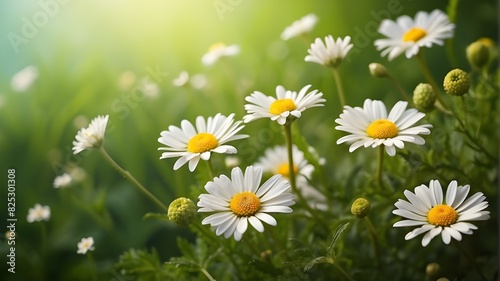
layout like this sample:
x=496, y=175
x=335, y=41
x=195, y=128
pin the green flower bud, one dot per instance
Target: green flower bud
x=424, y=97
x=378, y=70
x=456, y=82
x=360, y=208
x=443, y=279
x=181, y=211
x=478, y=54
x=432, y=270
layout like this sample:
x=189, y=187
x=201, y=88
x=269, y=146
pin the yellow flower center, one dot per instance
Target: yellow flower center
x=442, y=215
x=216, y=46
x=382, y=129
x=202, y=142
x=284, y=170
x=280, y=106
x=414, y=34
x=245, y=204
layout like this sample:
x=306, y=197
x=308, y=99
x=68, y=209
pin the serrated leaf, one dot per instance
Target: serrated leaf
x=330, y=251
x=186, y=249
x=314, y=262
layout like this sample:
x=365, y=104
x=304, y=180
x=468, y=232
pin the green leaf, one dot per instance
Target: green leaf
x=330, y=251
x=315, y=261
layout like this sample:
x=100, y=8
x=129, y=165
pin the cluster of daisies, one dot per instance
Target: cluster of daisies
x=241, y=199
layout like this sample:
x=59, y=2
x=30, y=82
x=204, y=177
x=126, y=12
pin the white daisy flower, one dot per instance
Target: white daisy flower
x=63, y=180
x=22, y=80
x=370, y=126
x=275, y=161
x=448, y=216
x=149, y=88
x=192, y=144
x=287, y=106
x=198, y=81
x=91, y=137
x=408, y=35
x=300, y=27
x=38, y=213
x=331, y=53
x=85, y=245
x=241, y=199
x=217, y=51
x=181, y=80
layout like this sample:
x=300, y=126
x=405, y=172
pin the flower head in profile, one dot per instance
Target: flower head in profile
x=91, y=137
x=63, y=180
x=22, y=80
x=217, y=51
x=241, y=199
x=275, y=162
x=85, y=245
x=437, y=214
x=300, y=27
x=192, y=144
x=370, y=126
x=38, y=213
x=407, y=35
x=331, y=53
x=286, y=107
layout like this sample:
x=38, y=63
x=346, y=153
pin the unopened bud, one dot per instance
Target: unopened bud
x=360, y=208
x=456, y=82
x=478, y=54
x=181, y=211
x=424, y=97
x=378, y=70
x=432, y=270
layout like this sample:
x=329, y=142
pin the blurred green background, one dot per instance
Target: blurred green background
x=82, y=48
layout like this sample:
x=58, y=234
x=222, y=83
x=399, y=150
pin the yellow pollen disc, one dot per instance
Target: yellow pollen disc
x=382, y=129
x=442, y=215
x=280, y=106
x=245, y=204
x=216, y=46
x=414, y=34
x=202, y=142
x=284, y=170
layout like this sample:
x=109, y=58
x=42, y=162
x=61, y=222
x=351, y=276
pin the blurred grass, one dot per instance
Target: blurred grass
x=87, y=45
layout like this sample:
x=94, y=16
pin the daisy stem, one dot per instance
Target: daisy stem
x=373, y=235
x=205, y=272
x=92, y=266
x=380, y=165
x=214, y=239
x=439, y=103
x=400, y=89
x=130, y=178
x=291, y=168
x=470, y=258
x=338, y=83
x=341, y=270
x=210, y=169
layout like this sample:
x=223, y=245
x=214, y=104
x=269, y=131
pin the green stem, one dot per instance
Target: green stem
x=211, y=169
x=44, y=240
x=376, y=246
x=400, y=89
x=439, y=103
x=92, y=266
x=341, y=270
x=340, y=91
x=205, y=272
x=470, y=258
x=130, y=178
x=291, y=168
x=380, y=164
